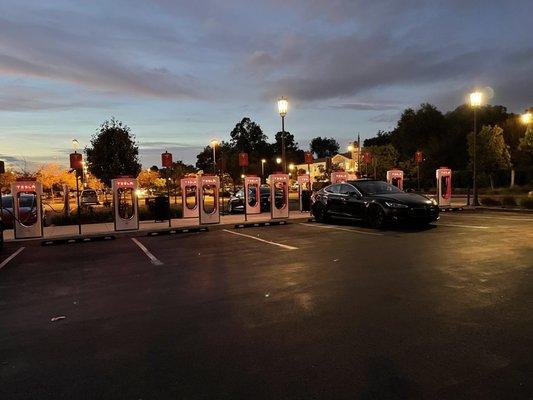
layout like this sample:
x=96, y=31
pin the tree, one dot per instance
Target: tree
x=382, y=138
x=324, y=147
x=52, y=176
x=526, y=142
x=492, y=153
x=383, y=159
x=6, y=178
x=147, y=179
x=247, y=136
x=113, y=152
x=292, y=151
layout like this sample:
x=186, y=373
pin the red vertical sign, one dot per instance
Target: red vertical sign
x=419, y=157
x=367, y=157
x=166, y=159
x=243, y=159
x=75, y=161
x=309, y=158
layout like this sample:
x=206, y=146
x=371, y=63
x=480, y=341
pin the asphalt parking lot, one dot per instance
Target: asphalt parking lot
x=297, y=311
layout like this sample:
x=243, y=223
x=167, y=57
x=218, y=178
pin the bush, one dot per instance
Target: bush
x=509, y=201
x=490, y=202
x=527, y=203
x=90, y=217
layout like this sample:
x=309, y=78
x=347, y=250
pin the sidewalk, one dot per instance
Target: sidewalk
x=51, y=232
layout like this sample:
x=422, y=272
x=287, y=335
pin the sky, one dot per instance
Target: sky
x=182, y=73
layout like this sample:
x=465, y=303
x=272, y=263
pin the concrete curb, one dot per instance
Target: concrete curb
x=257, y=224
x=87, y=238
x=498, y=209
x=80, y=239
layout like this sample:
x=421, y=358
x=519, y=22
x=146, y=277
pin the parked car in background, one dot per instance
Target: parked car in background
x=373, y=201
x=27, y=207
x=89, y=197
x=236, y=201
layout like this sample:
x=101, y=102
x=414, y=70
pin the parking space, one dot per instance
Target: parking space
x=339, y=310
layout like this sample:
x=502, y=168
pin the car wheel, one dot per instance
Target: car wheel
x=376, y=217
x=320, y=213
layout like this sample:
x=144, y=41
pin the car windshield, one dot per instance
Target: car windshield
x=375, y=187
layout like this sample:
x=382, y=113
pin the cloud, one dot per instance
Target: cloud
x=21, y=98
x=43, y=51
x=366, y=106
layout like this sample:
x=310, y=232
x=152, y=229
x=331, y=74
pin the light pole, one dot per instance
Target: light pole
x=283, y=106
x=75, y=145
x=475, y=102
x=263, y=161
x=278, y=160
x=214, y=144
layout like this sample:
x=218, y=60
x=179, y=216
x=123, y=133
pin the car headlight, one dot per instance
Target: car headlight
x=395, y=205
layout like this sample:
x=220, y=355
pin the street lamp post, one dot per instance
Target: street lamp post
x=214, y=144
x=475, y=101
x=283, y=106
x=263, y=161
x=75, y=145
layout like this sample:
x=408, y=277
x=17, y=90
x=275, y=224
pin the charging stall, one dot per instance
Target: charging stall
x=27, y=209
x=252, y=194
x=189, y=197
x=279, y=195
x=395, y=178
x=304, y=192
x=209, y=187
x=444, y=186
x=125, y=204
x=339, y=177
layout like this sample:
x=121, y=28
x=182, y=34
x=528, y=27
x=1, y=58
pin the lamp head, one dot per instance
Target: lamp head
x=283, y=106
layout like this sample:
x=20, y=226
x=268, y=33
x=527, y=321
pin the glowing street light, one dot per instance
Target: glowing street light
x=283, y=107
x=527, y=118
x=75, y=145
x=476, y=98
x=278, y=160
x=291, y=166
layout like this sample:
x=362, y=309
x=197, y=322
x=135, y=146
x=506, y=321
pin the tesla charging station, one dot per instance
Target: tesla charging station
x=252, y=194
x=279, y=196
x=28, y=221
x=189, y=197
x=125, y=204
x=339, y=177
x=304, y=192
x=395, y=178
x=444, y=186
x=209, y=186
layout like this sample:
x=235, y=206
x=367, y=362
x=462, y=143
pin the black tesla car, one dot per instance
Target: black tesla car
x=373, y=201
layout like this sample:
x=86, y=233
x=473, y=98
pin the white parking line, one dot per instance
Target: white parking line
x=262, y=240
x=343, y=229
x=487, y=217
x=154, y=260
x=464, y=226
x=12, y=256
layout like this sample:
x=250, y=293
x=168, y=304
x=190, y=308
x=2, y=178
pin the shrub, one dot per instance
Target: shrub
x=527, y=203
x=509, y=201
x=490, y=202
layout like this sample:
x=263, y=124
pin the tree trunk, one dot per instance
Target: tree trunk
x=512, y=178
x=491, y=182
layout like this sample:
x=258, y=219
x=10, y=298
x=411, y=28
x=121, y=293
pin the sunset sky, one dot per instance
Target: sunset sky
x=181, y=73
